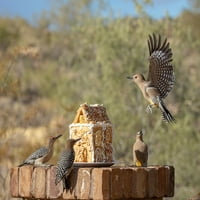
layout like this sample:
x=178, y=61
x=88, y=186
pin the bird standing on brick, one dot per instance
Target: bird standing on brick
x=160, y=79
x=65, y=163
x=42, y=155
x=140, y=151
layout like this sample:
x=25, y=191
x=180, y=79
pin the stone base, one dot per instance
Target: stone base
x=154, y=182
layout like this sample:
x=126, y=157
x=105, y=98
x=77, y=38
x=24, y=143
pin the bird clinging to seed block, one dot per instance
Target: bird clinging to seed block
x=65, y=163
x=140, y=151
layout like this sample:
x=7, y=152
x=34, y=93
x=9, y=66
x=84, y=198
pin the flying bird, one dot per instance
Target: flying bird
x=160, y=79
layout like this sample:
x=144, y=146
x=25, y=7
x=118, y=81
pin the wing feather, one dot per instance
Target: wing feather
x=64, y=165
x=161, y=73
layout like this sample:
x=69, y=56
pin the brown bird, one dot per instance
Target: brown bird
x=160, y=78
x=140, y=151
x=42, y=155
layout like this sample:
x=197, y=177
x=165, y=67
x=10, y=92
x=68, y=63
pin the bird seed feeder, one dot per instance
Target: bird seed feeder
x=92, y=124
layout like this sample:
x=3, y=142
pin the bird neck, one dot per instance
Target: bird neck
x=50, y=145
x=139, y=137
x=141, y=83
x=69, y=147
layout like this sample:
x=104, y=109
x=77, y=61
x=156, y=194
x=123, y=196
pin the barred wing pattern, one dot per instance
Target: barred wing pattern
x=161, y=74
x=37, y=154
x=64, y=165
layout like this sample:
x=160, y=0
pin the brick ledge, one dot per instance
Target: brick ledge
x=153, y=182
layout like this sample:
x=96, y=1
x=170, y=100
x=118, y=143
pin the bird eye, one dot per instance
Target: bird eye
x=135, y=77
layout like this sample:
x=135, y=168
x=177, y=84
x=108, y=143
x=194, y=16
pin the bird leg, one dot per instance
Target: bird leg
x=149, y=108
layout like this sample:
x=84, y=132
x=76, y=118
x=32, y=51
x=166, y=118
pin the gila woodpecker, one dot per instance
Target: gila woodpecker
x=160, y=79
x=65, y=163
x=140, y=151
x=42, y=155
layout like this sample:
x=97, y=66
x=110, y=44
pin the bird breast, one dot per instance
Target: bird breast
x=48, y=156
x=140, y=146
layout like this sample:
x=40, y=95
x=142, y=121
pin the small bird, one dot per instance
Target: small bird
x=65, y=163
x=42, y=155
x=160, y=79
x=140, y=151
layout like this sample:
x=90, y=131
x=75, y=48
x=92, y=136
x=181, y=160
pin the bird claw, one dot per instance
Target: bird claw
x=149, y=109
x=66, y=184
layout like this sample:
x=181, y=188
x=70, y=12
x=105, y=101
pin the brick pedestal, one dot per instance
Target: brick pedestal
x=154, y=182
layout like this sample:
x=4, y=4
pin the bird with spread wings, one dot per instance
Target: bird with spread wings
x=160, y=79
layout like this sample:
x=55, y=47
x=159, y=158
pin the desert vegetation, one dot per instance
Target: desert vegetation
x=72, y=55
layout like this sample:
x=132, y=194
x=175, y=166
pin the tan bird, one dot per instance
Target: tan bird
x=160, y=78
x=42, y=155
x=140, y=151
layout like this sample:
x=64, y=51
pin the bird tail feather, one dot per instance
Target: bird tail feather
x=57, y=180
x=27, y=162
x=21, y=165
x=166, y=115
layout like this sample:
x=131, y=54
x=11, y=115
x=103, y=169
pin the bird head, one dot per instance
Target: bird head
x=140, y=132
x=71, y=142
x=54, y=138
x=136, y=78
x=139, y=135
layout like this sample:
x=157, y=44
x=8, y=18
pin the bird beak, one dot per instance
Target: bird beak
x=56, y=137
x=140, y=132
x=129, y=77
x=76, y=140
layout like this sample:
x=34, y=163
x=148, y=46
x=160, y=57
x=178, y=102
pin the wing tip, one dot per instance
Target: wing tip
x=156, y=43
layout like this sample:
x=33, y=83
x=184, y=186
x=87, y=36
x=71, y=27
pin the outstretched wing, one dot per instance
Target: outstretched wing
x=161, y=74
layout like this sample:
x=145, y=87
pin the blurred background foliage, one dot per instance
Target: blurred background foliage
x=71, y=56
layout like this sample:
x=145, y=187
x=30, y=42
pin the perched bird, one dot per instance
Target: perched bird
x=160, y=78
x=42, y=155
x=65, y=163
x=140, y=151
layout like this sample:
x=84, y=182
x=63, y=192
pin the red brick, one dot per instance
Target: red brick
x=53, y=191
x=141, y=182
x=134, y=183
x=83, y=183
x=14, y=182
x=100, y=187
x=70, y=193
x=38, y=185
x=25, y=175
x=95, y=183
x=116, y=187
x=162, y=180
x=151, y=182
x=169, y=181
x=128, y=182
x=150, y=199
x=156, y=192
x=146, y=199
